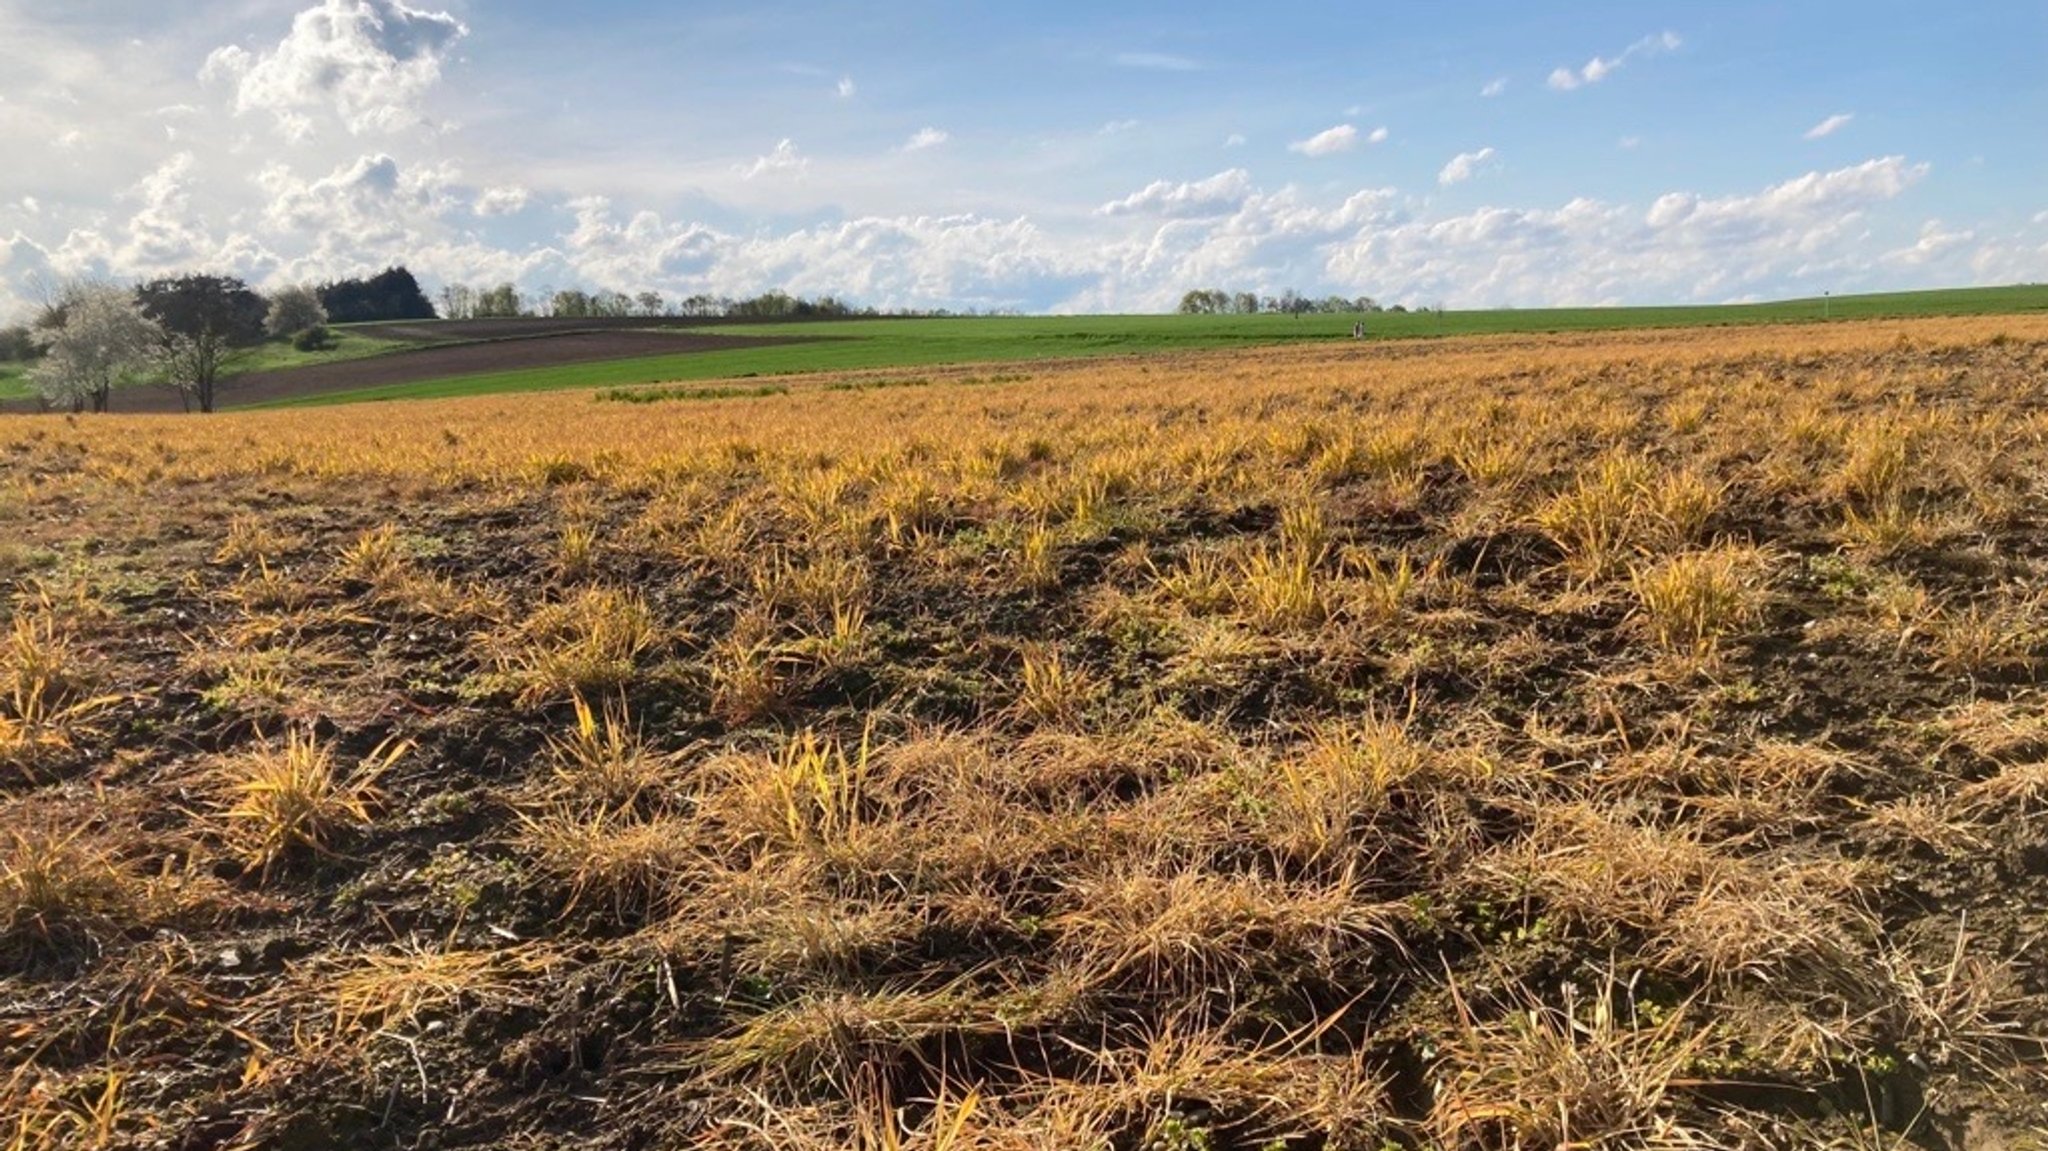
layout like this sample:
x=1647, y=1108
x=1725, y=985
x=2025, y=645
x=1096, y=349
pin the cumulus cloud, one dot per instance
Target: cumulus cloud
x=1600, y=68
x=1795, y=235
x=784, y=158
x=1830, y=126
x=925, y=138
x=897, y=261
x=1464, y=166
x=503, y=201
x=846, y=88
x=1494, y=87
x=164, y=231
x=1935, y=242
x=373, y=201
x=1221, y=193
x=1234, y=140
x=1328, y=142
x=368, y=61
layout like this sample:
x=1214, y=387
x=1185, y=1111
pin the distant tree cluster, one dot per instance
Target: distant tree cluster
x=18, y=343
x=185, y=332
x=1216, y=302
x=392, y=294
x=463, y=302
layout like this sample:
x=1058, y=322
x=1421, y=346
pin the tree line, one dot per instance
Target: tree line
x=1217, y=302
x=506, y=301
x=184, y=332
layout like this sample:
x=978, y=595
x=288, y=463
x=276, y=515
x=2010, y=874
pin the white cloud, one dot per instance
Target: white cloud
x=1935, y=242
x=1377, y=136
x=1157, y=62
x=898, y=261
x=1234, y=140
x=1797, y=235
x=846, y=88
x=1830, y=126
x=502, y=201
x=925, y=138
x=1327, y=142
x=1117, y=128
x=1494, y=87
x=1219, y=194
x=372, y=202
x=164, y=232
x=368, y=61
x=1599, y=68
x=1464, y=166
x=784, y=158
x=1629, y=143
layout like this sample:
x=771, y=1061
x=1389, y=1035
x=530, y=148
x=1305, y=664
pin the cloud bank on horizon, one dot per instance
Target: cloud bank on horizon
x=1064, y=161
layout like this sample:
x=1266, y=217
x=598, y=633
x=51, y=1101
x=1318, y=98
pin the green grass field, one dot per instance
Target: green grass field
x=346, y=345
x=911, y=343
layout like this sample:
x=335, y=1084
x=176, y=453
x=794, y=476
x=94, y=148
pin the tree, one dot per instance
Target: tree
x=18, y=342
x=104, y=341
x=391, y=294
x=458, y=302
x=293, y=310
x=774, y=303
x=501, y=301
x=650, y=303
x=573, y=303
x=1245, y=303
x=207, y=320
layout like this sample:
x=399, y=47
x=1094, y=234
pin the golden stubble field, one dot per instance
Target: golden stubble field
x=1595, y=741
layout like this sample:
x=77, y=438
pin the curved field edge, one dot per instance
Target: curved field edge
x=957, y=341
x=1628, y=741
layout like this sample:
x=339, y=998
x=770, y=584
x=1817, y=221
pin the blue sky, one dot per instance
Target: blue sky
x=1048, y=157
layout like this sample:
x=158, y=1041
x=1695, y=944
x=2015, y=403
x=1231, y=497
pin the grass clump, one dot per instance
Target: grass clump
x=57, y=886
x=588, y=644
x=46, y=677
x=281, y=798
x=1693, y=601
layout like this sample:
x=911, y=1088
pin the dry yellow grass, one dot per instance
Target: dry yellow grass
x=1484, y=743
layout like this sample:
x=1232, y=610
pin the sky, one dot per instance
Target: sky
x=1044, y=157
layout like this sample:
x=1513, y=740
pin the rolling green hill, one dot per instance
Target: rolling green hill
x=925, y=342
